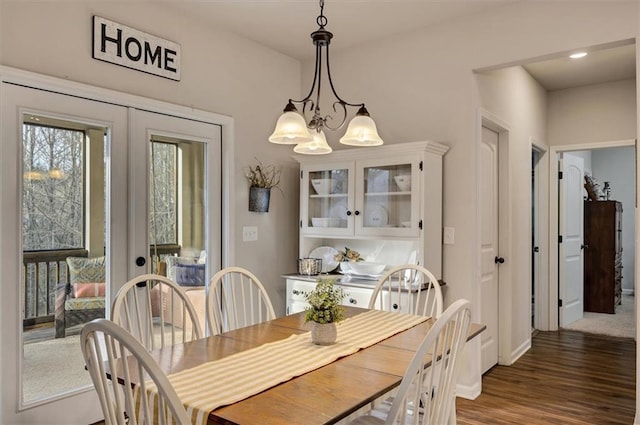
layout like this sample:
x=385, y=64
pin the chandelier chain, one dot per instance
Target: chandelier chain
x=321, y=20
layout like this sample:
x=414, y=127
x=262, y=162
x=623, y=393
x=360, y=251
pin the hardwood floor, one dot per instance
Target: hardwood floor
x=567, y=378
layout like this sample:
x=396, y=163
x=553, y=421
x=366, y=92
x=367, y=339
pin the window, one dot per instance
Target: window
x=53, y=203
x=163, y=194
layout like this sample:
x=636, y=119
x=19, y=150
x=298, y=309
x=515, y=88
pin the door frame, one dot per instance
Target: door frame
x=541, y=225
x=16, y=411
x=504, y=301
x=552, y=307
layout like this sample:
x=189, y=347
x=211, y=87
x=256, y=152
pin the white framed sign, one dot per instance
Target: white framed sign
x=128, y=47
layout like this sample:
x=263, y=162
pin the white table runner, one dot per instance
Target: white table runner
x=228, y=380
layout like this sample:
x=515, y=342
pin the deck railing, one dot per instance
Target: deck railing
x=45, y=270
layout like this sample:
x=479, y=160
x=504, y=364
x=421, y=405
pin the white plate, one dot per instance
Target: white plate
x=364, y=276
x=376, y=216
x=339, y=210
x=328, y=255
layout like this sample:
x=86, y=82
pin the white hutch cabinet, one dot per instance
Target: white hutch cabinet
x=384, y=202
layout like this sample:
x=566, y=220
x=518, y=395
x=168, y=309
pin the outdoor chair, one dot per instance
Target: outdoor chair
x=82, y=298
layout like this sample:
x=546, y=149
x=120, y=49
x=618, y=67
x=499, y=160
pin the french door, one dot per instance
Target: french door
x=146, y=185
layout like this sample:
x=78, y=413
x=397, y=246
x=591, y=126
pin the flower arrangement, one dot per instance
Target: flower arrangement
x=264, y=176
x=324, y=302
x=347, y=255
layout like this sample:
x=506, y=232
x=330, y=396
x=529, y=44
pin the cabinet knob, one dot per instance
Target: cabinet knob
x=356, y=212
x=296, y=292
x=499, y=260
x=353, y=301
x=584, y=246
x=395, y=306
x=348, y=212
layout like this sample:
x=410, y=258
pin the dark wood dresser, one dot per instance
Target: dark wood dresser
x=602, y=256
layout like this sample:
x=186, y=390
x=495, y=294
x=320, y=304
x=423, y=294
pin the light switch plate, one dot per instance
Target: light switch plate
x=449, y=235
x=249, y=233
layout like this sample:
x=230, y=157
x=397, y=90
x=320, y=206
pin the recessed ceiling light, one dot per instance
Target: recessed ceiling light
x=578, y=55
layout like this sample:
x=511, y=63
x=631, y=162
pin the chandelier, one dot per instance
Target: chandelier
x=295, y=128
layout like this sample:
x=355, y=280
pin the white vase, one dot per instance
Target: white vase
x=324, y=333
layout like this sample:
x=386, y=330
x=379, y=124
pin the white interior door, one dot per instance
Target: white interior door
x=489, y=247
x=175, y=199
x=571, y=230
x=44, y=378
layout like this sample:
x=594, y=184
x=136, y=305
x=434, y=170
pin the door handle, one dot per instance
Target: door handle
x=499, y=260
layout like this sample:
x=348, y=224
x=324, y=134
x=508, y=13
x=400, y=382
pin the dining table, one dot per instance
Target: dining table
x=313, y=384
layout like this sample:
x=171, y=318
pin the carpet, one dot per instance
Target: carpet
x=622, y=323
x=53, y=367
x=56, y=366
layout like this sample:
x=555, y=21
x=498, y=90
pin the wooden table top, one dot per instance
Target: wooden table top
x=323, y=396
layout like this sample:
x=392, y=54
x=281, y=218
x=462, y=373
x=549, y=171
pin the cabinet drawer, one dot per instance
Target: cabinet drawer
x=356, y=297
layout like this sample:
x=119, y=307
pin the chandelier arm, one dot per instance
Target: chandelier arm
x=316, y=75
x=342, y=101
x=327, y=118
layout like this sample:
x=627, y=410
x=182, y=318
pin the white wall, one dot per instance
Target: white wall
x=221, y=73
x=421, y=86
x=617, y=166
x=595, y=113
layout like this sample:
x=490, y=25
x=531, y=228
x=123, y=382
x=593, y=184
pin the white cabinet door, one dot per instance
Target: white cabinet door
x=327, y=199
x=387, y=193
x=369, y=198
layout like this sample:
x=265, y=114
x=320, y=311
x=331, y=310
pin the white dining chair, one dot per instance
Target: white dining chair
x=104, y=346
x=391, y=291
x=426, y=396
x=157, y=311
x=236, y=299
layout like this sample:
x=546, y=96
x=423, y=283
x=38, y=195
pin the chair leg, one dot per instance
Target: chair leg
x=60, y=328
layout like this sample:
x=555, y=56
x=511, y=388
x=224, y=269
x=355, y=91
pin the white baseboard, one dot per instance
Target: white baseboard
x=628, y=291
x=520, y=351
x=470, y=392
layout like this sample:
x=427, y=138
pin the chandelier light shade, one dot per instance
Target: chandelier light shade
x=318, y=146
x=361, y=131
x=291, y=128
x=305, y=129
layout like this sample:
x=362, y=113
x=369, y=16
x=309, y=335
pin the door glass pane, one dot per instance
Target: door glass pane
x=387, y=196
x=177, y=214
x=63, y=283
x=328, y=191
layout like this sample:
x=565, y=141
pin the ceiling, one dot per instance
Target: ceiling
x=599, y=66
x=285, y=25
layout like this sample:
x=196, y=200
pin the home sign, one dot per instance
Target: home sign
x=128, y=47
